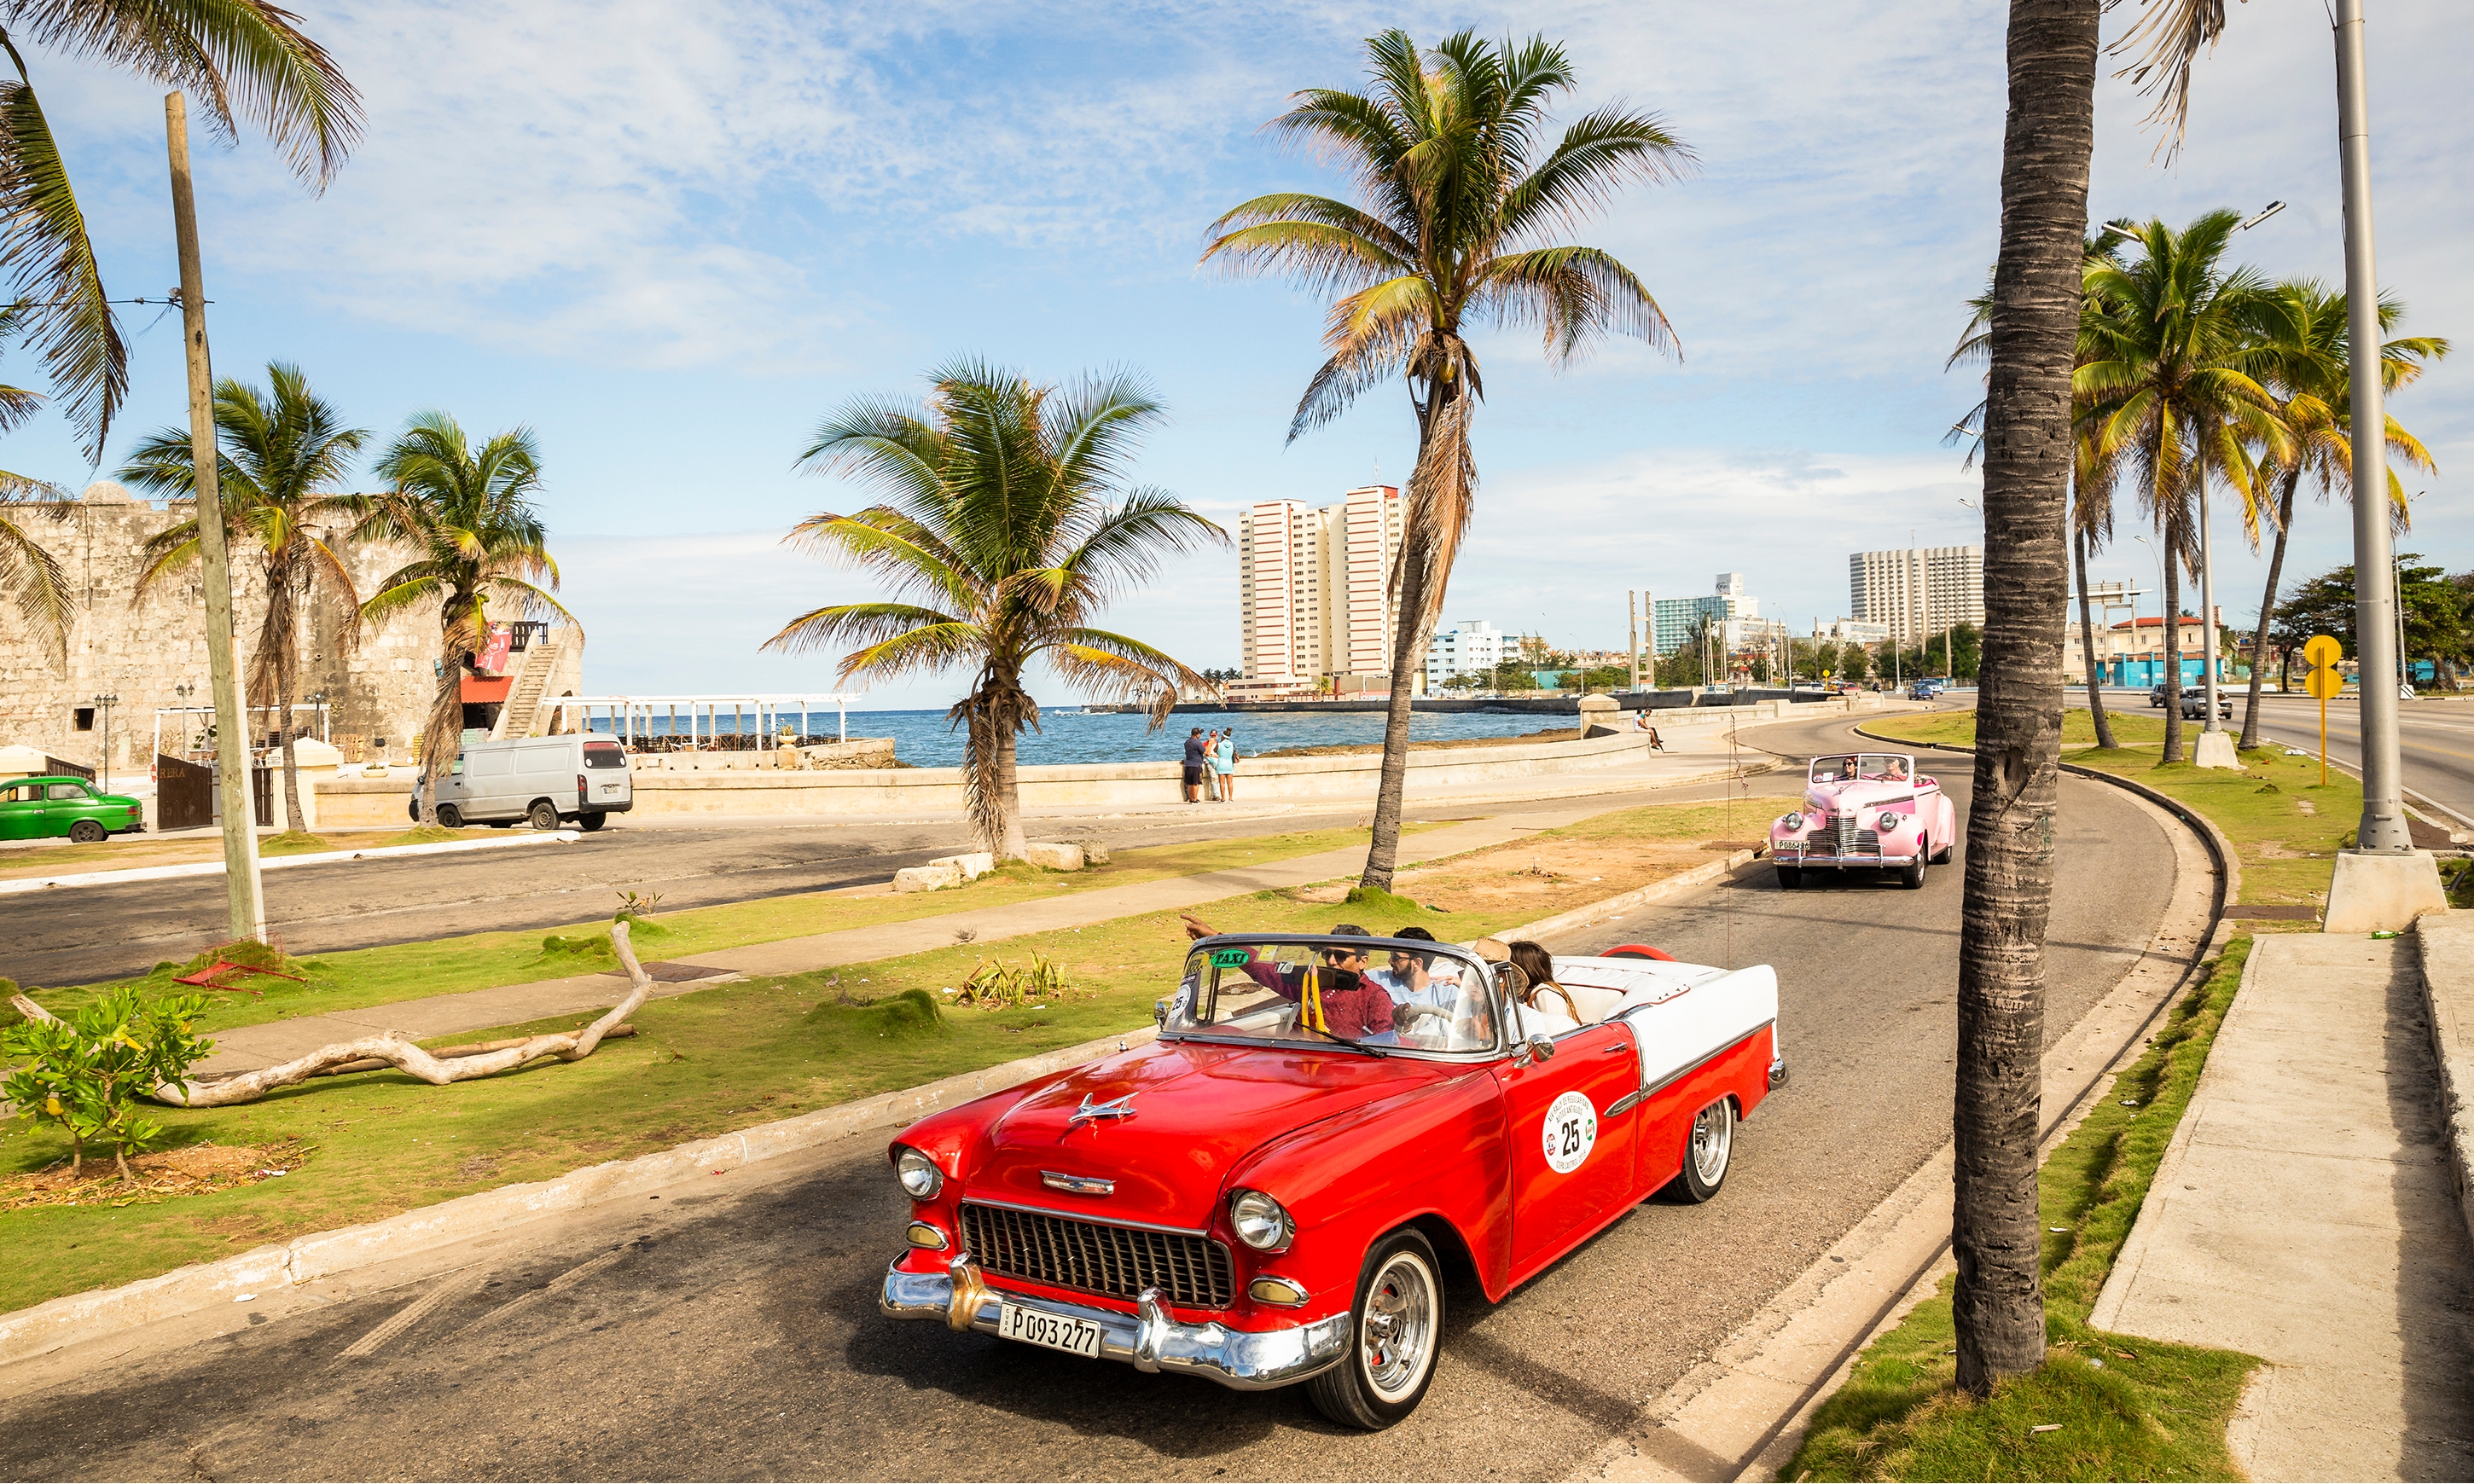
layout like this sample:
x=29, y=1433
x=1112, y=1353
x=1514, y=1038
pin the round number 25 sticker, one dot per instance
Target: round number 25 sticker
x=1571, y=1132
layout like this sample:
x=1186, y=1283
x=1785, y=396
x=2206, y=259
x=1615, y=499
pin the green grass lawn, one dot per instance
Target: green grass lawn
x=446, y=966
x=2285, y=824
x=1957, y=729
x=2126, y=1408
x=701, y=1063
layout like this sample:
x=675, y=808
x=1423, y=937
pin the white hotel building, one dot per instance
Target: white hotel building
x=1918, y=591
x=1312, y=595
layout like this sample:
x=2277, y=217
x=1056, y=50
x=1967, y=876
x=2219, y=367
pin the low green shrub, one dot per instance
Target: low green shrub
x=84, y=1075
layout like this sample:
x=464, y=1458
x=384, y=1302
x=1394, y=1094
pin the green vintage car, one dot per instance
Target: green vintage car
x=40, y=808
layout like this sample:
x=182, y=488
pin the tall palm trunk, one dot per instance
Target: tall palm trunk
x=2087, y=642
x=2268, y=610
x=1998, y=1307
x=1442, y=455
x=2173, y=651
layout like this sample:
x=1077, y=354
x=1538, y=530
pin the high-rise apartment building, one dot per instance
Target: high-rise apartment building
x=1312, y=592
x=1674, y=622
x=1918, y=591
x=1470, y=647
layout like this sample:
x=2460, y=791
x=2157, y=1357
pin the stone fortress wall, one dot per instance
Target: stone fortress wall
x=141, y=651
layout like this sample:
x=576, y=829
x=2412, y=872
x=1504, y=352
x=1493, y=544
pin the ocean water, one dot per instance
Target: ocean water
x=925, y=739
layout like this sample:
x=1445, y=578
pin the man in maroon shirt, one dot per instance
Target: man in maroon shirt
x=1334, y=995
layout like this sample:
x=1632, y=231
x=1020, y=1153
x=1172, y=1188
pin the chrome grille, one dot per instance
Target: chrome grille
x=1191, y=1272
x=1845, y=826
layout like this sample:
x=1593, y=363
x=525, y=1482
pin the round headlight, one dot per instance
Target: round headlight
x=1888, y=823
x=1260, y=1221
x=919, y=1174
x=1794, y=819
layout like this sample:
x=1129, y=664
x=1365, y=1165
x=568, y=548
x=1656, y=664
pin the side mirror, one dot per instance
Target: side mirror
x=1159, y=1013
x=1542, y=1047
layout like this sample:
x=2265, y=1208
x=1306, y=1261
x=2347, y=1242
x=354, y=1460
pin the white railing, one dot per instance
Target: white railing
x=633, y=718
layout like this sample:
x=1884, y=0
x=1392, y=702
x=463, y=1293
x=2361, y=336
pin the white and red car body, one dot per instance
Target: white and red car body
x=1866, y=811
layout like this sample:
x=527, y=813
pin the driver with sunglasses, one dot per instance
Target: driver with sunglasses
x=1334, y=995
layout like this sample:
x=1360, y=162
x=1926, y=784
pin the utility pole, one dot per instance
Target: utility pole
x=2208, y=608
x=242, y=888
x=1632, y=633
x=2383, y=885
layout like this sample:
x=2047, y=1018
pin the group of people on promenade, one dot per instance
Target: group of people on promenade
x=1211, y=764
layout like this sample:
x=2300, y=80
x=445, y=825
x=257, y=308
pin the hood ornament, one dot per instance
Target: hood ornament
x=1115, y=1107
x=1076, y=1185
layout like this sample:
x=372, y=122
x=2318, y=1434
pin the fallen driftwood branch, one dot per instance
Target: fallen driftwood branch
x=371, y=1064
x=392, y=1049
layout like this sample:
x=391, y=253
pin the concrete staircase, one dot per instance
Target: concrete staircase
x=521, y=716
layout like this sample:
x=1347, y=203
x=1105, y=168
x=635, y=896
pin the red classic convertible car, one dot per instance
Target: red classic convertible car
x=1273, y=1191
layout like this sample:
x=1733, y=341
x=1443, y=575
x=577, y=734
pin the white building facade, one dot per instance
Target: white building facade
x=1917, y=591
x=1470, y=647
x=1313, y=585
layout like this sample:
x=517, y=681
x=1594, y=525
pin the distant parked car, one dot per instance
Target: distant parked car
x=2156, y=696
x=1924, y=690
x=540, y=781
x=42, y=808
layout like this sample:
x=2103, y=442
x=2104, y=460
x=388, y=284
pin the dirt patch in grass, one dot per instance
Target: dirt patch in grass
x=157, y=1176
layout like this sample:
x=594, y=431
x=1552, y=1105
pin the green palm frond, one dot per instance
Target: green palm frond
x=32, y=580
x=44, y=249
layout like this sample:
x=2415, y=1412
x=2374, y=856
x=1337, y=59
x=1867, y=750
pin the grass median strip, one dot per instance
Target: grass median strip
x=717, y=1060
x=361, y=977
x=2103, y=1406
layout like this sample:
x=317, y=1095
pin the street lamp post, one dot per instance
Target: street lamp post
x=2382, y=884
x=106, y=702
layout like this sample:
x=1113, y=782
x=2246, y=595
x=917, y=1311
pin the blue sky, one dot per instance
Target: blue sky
x=670, y=237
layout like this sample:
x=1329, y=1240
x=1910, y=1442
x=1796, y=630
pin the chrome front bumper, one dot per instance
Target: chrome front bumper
x=1790, y=855
x=1240, y=1359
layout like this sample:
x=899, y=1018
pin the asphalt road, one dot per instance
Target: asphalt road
x=2435, y=742
x=734, y=1333
x=80, y=935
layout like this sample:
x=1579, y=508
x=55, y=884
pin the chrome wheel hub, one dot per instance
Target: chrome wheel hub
x=1714, y=1133
x=1396, y=1340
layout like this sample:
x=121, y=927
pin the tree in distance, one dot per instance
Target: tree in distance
x=468, y=515
x=2304, y=361
x=282, y=458
x=1007, y=525
x=241, y=60
x=1453, y=229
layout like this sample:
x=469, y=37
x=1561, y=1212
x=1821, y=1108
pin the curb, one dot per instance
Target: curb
x=78, y=1317
x=2445, y=946
x=2228, y=862
x=216, y=867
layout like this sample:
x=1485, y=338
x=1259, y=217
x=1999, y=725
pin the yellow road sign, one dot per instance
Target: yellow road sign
x=2325, y=685
x=2322, y=652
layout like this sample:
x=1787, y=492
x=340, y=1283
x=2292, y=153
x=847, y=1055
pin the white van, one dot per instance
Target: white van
x=539, y=779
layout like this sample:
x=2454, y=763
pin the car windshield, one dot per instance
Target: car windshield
x=1850, y=767
x=1378, y=995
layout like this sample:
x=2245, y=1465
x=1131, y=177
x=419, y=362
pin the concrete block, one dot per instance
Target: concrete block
x=972, y=865
x=931, y=877
x=1094, y=853
x=2215, y=749
x=1054, y=855
x=2382, y=894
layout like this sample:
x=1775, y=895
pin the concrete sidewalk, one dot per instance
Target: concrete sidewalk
x=2306, y=1213
x=444, y=1015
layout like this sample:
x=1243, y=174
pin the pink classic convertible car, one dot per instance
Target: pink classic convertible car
x=1868, y=811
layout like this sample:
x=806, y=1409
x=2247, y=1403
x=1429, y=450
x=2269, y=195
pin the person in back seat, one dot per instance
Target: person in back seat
x=1547, y=1007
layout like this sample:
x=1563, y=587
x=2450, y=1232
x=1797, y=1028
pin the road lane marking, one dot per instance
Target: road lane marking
x=405, y=1318
x=559, y=1284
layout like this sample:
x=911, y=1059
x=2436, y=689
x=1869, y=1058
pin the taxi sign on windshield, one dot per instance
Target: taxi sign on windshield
x=1228, y=957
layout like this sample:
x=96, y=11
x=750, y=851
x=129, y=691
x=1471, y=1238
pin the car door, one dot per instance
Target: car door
x=22, y=812
x=66, y=804
x=1572, y=1164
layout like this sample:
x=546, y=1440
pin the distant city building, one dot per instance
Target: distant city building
x=1312, y=594
x=1470, y=647
x=1675, y=622
x=1917, y=592
x=1857, y=631
x=2132, y=651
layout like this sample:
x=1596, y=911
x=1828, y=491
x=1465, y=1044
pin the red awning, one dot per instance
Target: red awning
x=486, y=689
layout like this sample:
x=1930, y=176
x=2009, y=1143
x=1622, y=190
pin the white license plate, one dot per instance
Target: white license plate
x=1074, y=1336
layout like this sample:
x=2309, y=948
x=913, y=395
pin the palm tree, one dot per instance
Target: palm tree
x=281, y=462
x=31, y=578
x=2301, y=327
x=2164, y=384
x=2039, y=292
x=1006, y=526
x=468, y=515
x=239, y=59
x=1454, y=230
